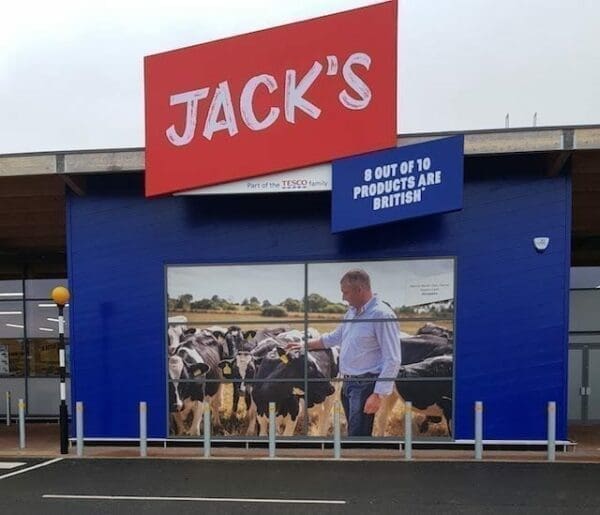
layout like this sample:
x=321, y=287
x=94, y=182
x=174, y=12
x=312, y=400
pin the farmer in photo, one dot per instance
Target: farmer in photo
x=369, y=340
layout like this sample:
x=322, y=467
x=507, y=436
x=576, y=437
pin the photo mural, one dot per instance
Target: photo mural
x=370, y=335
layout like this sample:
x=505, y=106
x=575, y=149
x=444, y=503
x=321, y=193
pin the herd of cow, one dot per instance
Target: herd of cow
x=260, y=370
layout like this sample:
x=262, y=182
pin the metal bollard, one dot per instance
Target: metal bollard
x=478, y=430
x=143, y=430
x=271, y=429
x=337, y=444
x=79, y=427
x=551, y=431
x=8, y=408
x=21, y=424
x=206, y=430
x=408, y=430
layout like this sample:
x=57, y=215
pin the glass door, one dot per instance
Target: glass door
x=593, y=388
x=576, y=399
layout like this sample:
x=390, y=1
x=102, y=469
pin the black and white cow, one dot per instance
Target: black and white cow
x=219, y=333
x=279, y=338
x=232, y=339
x=296, y=335
x=239, y=341
x=430, y=342
x=179, y=331
x=289, y=391
x=176, y=332
x=267, y=332
x=436, y=330
x=328, y=365
x=244, y=367
x=263, y=348
x=241, y=369
x=195, y=359
x=418, y=348
x=244, y=364
x=423, y=394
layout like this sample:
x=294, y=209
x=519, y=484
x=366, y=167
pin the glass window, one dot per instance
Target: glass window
x=11, y=319
x=414, y=288
x=12, y=358
x=415, y=301
x=11, y=290
x=251, y=313
x=42, y=288
x=42, y=319
x=43, y=357
x=235, y=293
x=583, y=310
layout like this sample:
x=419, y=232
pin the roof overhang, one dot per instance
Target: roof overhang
x=32, y=185
x=477, y=143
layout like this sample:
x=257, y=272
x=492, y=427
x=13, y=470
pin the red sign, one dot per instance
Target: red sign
x=273, y=100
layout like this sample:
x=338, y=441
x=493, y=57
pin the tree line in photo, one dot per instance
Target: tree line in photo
x=313, y=303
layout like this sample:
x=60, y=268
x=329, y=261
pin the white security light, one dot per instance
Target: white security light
x=15, y=325
x=11, y=312
x=51, y=305
x=46, y=329
x=11, y=294
x=541, y=243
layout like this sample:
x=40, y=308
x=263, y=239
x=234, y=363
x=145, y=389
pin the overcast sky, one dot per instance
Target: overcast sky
x=71, y=71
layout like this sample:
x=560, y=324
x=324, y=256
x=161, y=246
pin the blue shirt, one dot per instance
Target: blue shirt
x=369, y=346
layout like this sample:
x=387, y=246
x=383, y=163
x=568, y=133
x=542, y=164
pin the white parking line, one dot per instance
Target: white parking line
x=39, y=465
x=7, y=465
x=196, y=499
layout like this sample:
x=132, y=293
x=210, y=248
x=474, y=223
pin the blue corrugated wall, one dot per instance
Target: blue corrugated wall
x=511, y=325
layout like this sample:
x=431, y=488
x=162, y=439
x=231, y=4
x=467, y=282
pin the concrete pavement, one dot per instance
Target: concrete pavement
x=42, y=441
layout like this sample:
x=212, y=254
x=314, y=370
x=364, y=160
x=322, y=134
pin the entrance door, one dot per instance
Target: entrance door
x=593, y=388
x=576, y=397
x=584, y=383
x=584, y=345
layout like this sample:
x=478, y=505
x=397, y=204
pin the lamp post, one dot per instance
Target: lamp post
x=61, y=295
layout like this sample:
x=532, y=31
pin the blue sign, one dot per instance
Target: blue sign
x=397, y=184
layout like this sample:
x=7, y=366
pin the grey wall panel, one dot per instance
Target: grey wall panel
x=584, y=311
x=16, y=387
x=44, y=396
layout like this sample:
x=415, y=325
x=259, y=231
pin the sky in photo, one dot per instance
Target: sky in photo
x=406, y=282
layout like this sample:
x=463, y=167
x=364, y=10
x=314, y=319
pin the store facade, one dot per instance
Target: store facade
x=508, y=318
x=510, y=300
